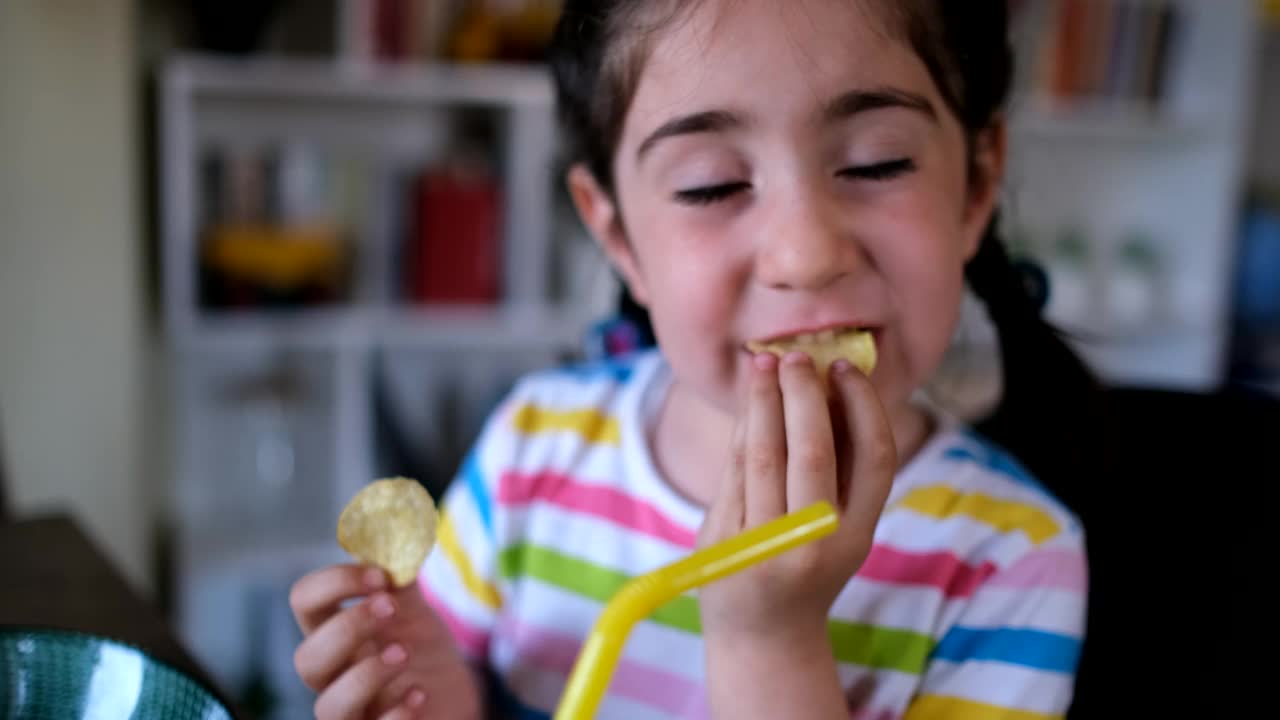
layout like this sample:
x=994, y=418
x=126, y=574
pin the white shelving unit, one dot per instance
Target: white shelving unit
x=273, y=410
x=1174, y=172
x=396, y=112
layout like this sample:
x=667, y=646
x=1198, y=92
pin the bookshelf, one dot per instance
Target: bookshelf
x=384, y=114
x=1116, y=173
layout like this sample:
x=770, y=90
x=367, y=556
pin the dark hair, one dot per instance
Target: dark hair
x=596, y=56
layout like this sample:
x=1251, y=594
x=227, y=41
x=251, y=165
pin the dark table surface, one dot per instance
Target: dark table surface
x=51, y=575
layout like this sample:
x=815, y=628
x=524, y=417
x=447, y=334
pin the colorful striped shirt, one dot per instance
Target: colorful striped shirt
x=971, y=604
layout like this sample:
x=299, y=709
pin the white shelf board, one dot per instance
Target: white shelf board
x=1190, y=360
x=281, y=80
x=1164, y=353
x=1113, y=334
x=438, y=328
x=1101, y=121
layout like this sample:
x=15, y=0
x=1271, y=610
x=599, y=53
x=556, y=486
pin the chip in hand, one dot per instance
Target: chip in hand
x=391, y=524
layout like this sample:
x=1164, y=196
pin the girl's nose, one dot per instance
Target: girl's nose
x=803, y=246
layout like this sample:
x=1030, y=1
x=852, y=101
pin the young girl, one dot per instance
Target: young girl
x=756, y=170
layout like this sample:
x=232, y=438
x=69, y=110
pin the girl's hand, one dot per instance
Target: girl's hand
x=386, y=655
x=793, y=447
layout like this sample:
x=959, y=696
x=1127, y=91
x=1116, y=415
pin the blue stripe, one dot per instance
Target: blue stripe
x=510, y=706
x=618, y=369
x=479, y=493
x=1030, y=648
x=995, y=459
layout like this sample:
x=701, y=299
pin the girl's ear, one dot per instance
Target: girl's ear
x=599, y=212
x=985, y=179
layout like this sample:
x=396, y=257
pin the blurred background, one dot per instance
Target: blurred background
x=255, y=254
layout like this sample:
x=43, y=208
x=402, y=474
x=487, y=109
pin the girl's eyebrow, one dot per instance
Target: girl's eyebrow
x=860, y=101
x=702, y=122
x=842, y=107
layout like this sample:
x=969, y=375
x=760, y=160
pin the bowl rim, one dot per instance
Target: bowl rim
x=54, y=630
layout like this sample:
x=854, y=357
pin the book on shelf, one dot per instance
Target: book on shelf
x=397, y=31
x=1098, y=50
x=1271, y=12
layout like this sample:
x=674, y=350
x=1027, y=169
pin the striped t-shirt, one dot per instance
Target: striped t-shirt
x=971, y=604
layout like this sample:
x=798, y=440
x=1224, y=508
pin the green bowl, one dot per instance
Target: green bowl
x=52, y=674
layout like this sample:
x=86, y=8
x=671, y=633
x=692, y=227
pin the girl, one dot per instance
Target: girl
x=756, y=171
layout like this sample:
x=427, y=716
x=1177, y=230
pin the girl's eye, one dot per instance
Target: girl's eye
x=710, y=194
x=880, y=171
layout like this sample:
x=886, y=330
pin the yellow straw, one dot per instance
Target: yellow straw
x=644, y=594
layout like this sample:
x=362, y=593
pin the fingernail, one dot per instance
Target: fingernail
x=394, y=655
x=795, y=357
x=383, y=607
x=416, y=698
x=766, y=361
x=841, y=367
x=374, y=578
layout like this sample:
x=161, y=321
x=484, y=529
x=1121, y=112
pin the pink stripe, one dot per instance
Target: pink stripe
x=942, y=570
x=471, y=640
x=556, y=652
x=1056, y=569
x=603, y=502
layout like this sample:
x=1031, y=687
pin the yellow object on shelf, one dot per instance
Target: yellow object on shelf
x=642, y=595
x=278, y=257
x=1271, y=11
x=478, y=37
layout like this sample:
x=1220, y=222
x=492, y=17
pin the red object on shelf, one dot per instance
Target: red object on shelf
x=455, y=256
x=392, y=25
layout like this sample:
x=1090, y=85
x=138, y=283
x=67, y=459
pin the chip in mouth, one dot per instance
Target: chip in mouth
x=856, y=346
x=391, y=524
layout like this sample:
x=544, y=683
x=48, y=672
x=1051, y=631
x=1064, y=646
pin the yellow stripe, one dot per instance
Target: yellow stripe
x=593, y=426
x=941, y=502
x=937, y=707
x=448, y=540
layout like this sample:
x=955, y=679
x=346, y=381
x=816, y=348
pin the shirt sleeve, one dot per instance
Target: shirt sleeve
x=459, y=578
x=1013, y=650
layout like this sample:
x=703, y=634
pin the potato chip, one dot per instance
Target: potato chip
x=856, y=346
x=391, y=524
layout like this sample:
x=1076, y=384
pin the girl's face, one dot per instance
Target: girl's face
x=787, y=168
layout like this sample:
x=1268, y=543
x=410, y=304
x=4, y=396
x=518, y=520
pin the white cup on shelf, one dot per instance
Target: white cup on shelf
x=1133, y=284
x=1069, y=268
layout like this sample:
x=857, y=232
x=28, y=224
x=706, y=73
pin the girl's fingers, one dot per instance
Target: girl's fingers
x=875, y=457
x=766, y=445
x=319, y=595
x=811, y=450
x=353, y=692
x=324, y=653
x=399, y=712
x=409, y=708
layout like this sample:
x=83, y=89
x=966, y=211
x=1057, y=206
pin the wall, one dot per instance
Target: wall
x=71, y=330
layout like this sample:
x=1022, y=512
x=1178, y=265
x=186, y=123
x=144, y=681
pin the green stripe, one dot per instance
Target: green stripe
x=853, y=643
x=879, y=647
x=592, y=581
